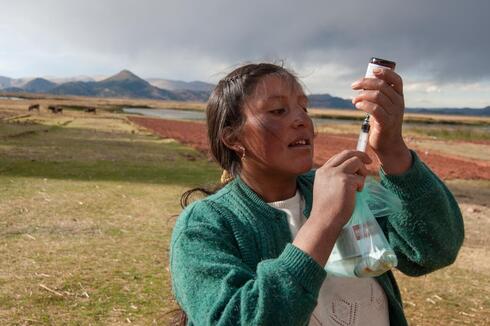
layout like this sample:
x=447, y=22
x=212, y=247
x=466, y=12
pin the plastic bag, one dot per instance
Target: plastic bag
x=361, y=250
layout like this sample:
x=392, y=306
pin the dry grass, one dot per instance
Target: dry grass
x=87, y=210
x=469, y=151
x=85, y=252
x=459, y=294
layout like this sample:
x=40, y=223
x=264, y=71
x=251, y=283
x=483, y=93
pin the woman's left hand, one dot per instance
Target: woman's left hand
x=382, y=98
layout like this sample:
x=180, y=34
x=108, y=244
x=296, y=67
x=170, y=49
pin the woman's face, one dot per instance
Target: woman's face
x=278, y=133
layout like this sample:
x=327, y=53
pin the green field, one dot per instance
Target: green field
x=87, y=206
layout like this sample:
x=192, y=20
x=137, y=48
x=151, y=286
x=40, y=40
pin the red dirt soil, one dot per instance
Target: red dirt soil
x=326, y=145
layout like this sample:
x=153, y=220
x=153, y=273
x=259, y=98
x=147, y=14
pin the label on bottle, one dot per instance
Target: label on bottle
x=370, y=68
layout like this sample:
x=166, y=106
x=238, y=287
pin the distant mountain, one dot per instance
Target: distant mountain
x=453, y=111
x=75, y=88
x=124, y=84
x=124, y=75
x=13, y=90
x=62, y=80
x=128, y=85
x=39, y=85
x=5, y=82
x=329, y=101
x=20, y=82
x=177, y=85
x=189, y=95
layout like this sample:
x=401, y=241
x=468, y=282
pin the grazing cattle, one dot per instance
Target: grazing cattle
x=55, y=109
x=34, y=107
x=90, y=109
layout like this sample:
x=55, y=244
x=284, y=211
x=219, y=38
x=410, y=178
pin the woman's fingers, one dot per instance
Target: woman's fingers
x=382, y=98
x=379, y=85
x=357, y=181
x=384, y=84
x=378, y=112
x=391, y=78
x=375, y=96
x=377, y=104
x=354, y=165
x=338, y=159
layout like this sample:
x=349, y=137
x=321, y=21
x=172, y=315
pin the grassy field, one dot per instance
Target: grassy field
x=87, y=205
x=458, y=294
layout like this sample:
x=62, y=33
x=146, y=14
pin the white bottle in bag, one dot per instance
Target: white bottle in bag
x=361, y=250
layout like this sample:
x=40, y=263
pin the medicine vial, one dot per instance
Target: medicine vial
x=378, y=63
x=364, y=134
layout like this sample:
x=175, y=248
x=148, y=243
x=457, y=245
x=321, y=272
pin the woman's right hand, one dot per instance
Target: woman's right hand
x=334, y=191
x=336, y=183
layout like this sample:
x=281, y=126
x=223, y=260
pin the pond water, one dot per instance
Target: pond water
x=200, y=116
x=168, y=113
x=11, y=98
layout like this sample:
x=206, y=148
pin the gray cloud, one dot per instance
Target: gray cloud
x=443, y=40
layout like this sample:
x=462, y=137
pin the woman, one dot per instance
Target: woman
x=253, y=253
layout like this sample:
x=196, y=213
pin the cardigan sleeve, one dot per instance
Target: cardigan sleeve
x=427, y=234
x=214, y=286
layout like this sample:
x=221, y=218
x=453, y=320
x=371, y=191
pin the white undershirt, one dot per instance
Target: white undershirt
x=341, y=301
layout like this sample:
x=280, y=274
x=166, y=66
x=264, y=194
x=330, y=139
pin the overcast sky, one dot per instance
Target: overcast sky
x=442, y=48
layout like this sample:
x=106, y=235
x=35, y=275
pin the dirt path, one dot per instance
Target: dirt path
x=326, y=145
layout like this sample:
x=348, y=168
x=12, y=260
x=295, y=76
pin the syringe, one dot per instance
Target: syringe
x=364, y=134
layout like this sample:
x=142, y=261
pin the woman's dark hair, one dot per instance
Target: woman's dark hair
x=224, y=113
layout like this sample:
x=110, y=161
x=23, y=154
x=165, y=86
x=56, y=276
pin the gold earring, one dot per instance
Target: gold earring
x=243, y=152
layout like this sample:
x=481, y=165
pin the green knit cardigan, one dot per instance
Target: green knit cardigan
x=232, y=261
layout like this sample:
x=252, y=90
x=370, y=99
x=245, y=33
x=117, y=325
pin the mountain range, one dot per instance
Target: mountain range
x=125, y=84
